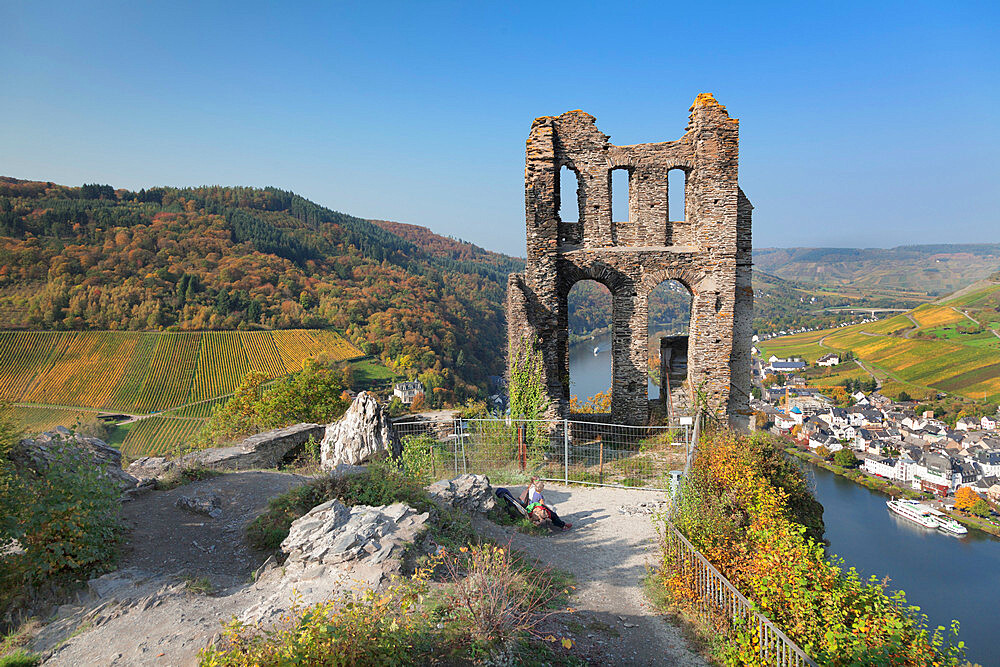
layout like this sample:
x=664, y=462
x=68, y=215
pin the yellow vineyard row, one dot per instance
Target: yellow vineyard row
x=140, y=372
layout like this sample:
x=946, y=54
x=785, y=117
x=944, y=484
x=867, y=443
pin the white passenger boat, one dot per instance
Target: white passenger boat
x=597, y=350
x=913, y=511
x=947, y=524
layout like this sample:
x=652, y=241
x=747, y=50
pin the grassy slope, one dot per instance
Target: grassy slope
x=904, y=357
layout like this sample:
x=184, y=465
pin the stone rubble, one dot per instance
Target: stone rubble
x=364, y=432
x=654, y=507
x=471, y=493
x=335, y=549
x=209, y=505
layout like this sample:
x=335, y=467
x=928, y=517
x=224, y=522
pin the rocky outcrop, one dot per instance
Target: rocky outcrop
x=331, y=533
x=264, y=450
x=61, y=444
x=363, y=433
x=471, y=493
x=335, y=549
x=150, y=467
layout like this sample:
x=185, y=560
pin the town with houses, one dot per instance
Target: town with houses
x=888, y=438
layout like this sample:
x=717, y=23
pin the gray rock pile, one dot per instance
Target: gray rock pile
x=332, y=550
x=61, y=444
x=652, y=507
x=364, y=432
x=471, y=493
x=208, y=504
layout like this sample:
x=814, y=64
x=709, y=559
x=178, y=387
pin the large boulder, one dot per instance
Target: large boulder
x=471, y=493
x=61, y=444
x=264, y=450
x=363, y=433
x=334, y=550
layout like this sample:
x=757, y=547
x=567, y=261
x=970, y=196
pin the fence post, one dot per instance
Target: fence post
x=461, y=438
x=566, y=451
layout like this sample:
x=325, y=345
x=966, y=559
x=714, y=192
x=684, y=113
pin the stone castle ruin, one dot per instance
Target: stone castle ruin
x=709, y=252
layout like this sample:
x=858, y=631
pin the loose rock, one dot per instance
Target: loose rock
x=472, y=493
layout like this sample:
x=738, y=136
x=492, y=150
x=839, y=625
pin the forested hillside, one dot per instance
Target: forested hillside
x=93, y=257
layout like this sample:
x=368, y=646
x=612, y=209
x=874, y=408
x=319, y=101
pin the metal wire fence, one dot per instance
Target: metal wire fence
x=565, y=450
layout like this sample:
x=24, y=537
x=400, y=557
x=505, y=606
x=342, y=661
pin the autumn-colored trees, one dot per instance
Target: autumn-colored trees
x=970, y=501
x=238, y=258
x=746, y=508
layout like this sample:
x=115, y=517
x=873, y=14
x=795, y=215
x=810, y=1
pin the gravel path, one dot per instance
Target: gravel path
x=608, y=553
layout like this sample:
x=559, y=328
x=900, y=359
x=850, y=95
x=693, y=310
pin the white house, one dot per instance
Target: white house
x=989, y=423
x=967, y=424
x=831, y=359
x=407, y=391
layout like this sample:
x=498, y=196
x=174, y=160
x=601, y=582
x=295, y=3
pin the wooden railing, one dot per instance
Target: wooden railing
x=716, y=598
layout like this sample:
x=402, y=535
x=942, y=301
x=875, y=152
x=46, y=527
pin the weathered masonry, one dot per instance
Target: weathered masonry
x=709, y=252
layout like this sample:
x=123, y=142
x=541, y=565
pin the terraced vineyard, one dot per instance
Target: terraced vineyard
x=140, y=372
x=936, y=355
x=155, y=436
x=43, y=419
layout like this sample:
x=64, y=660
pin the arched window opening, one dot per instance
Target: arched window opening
x=669, y=323
x=620, y=195
x=569, y=195
x=590, y=329
x=676, y=187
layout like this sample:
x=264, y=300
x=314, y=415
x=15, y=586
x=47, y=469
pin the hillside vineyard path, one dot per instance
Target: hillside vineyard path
x=608, y=553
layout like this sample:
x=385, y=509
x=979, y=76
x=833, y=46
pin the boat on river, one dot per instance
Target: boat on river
x=914, y=512
x=597, y=350
x=946, y=524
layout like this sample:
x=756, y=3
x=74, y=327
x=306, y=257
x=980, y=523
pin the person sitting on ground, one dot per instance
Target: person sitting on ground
x=536, y=504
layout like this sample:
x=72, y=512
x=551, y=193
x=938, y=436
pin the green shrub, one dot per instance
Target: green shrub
x=387, y=628
x=315, y=394
x=20, y=658
x=66, y=521
x=845, y=458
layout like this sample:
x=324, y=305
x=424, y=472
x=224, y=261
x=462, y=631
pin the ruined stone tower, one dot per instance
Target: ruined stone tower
x=709, y=252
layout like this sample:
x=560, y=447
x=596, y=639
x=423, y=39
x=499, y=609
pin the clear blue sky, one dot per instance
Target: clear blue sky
x=862, y=124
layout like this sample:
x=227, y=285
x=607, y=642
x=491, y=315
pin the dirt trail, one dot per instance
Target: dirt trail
x=608, y=553
x=146, y=613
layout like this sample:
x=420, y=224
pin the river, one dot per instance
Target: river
x=947, y=577
x=590, y=373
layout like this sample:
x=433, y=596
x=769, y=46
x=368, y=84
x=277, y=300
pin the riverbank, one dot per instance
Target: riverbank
x=888, y=488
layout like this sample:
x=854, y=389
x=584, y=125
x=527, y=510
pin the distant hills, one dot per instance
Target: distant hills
x=912, y=270
x=222, y=258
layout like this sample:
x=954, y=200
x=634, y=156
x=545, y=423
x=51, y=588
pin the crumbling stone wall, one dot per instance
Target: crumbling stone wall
x=709, y=252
